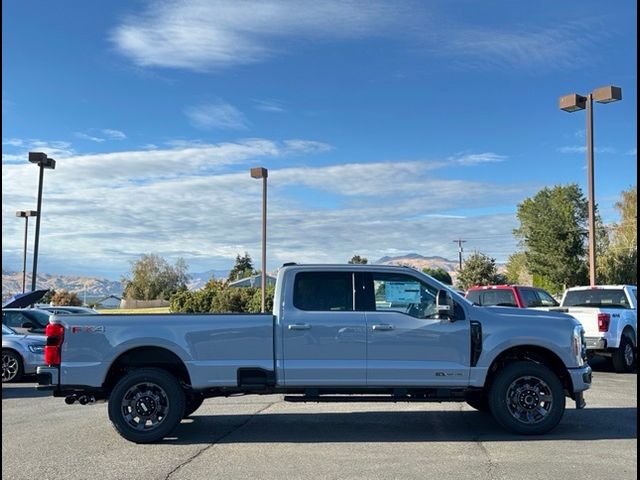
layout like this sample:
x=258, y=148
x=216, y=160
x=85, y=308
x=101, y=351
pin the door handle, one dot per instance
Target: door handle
x=300, y=326
x=384, y=327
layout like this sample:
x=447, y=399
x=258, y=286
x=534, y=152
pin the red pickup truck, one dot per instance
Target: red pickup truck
x=510, y=296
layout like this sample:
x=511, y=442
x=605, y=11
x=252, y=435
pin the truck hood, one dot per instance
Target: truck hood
x=526, y=314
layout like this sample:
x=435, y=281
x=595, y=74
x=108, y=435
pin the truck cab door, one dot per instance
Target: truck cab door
x=323, y=337
x=408, y=344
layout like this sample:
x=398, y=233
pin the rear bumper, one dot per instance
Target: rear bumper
x=596, y=343
x=48, y=378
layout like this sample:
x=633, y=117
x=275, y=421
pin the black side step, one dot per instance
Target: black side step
x=367, y=398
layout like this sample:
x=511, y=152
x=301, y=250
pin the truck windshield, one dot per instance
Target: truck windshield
x=596, y=298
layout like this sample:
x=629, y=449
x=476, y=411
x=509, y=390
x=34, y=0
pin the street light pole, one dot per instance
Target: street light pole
x=43, y=162
x=263, y=173
x=591, y=191
x=573, y=103
x=25, y=214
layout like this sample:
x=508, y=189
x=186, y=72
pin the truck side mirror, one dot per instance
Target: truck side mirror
x=444, y=305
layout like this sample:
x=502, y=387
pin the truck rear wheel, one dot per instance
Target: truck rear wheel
x=527, y=398
x=146, y=404
x=624, y=357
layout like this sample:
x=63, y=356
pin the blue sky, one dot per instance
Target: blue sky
x=387, y=127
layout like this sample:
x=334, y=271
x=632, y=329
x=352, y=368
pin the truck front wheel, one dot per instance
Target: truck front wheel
x=146, y=404
x=527, y=398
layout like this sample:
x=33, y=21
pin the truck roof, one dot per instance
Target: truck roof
x=602, y=287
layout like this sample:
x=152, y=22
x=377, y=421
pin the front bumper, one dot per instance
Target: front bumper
x=581, y=381
x=581, y=378
x=48, y=378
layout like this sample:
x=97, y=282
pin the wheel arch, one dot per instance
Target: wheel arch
x=146, y=356
x=629, y=332
x=532, y=353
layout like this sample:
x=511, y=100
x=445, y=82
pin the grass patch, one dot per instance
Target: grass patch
x=119, y=311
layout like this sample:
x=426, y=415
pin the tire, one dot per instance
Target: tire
x=527, y=398
x=146, y=405
x=479, y=401
x=12, y=367
x=192, y=403
x=624, y=357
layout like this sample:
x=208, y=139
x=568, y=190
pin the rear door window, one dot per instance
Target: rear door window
x=323, y=291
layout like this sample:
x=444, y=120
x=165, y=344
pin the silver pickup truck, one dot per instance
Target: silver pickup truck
x=337, y=333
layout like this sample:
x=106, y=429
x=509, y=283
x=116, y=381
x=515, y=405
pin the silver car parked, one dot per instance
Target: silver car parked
x=21, y=354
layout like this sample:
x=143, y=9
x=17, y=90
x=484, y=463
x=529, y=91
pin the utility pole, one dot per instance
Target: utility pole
x=460, y=250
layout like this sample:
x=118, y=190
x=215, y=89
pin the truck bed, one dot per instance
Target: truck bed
x=212, y=346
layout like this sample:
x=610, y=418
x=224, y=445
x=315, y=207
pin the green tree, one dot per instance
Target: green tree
x=516, y=270
x=63, y=298
x=478, y=269
x=439, y=274
x=553, y=232
x=243, y=267
x=358, y=260
x=619, y=262
x=152, y=277
x=218, y=297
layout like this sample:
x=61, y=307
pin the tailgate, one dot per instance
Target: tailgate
x=588, y=317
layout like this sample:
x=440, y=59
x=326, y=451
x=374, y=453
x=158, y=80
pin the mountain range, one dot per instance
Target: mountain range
x=81, y=285
x=101, y=287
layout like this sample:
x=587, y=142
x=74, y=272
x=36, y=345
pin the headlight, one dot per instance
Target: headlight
x=579, y=345
x=36, y=349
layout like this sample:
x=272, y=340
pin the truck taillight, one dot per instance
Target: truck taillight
x=55, y=337
x=604, y=319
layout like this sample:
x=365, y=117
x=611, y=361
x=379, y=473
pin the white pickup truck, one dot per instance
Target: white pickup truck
x=609, y=316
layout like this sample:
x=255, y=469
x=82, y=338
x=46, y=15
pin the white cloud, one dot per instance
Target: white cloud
x=203, y=34
x=478, y=158
x=206, y=35
x=633, y=152
x=583, y=149
x=85, y=136
x=218, y=115
x=113, y=134
x=307, y=146
x=54, y=149
x=269, y=105
x=198, y=201
x=559, y=47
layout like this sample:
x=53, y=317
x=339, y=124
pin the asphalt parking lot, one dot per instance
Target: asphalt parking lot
x=265, y=438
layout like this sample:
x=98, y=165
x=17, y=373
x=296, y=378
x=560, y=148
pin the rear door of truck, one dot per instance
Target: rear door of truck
x=324, y=336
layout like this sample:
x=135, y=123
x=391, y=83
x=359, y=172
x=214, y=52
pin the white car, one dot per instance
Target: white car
x=21, y=354
x=609, y=316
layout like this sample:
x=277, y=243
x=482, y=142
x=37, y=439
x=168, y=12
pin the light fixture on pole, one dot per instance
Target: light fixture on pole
x=263, y=173
x=573, y=103
x=43, y=162
x=25, y=214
